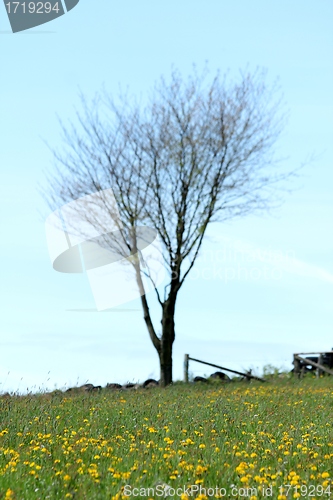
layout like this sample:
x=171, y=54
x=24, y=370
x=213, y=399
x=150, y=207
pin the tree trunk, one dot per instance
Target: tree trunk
x=167, y=339
x=166, y=363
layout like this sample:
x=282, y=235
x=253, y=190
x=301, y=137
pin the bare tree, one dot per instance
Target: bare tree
x=195, y=153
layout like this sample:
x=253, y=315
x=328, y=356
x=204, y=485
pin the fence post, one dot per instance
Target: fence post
x=186, y=367
x=320, y=362
x=297, y=366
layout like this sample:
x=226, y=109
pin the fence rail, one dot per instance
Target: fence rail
x=187, y=358
x=300, y=363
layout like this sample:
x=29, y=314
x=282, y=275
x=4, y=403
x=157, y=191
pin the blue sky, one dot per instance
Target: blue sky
x=263, y=286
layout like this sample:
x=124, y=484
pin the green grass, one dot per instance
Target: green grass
x=237, y=435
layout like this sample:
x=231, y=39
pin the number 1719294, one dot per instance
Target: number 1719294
x=304, y=490
x=32, y=7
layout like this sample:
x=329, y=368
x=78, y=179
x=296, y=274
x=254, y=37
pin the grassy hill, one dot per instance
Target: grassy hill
x=237, y=440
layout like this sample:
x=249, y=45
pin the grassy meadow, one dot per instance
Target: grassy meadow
x=237, y=440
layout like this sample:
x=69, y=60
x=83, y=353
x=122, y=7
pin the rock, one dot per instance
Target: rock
x=87, y=387
x=220, y=376
x=113, y=387
x=150, y=383
x=82, y=388
x=96, y=388
x=200, y=379
x=131, y=386
x=5, y=395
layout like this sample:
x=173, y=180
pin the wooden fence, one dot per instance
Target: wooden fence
x=187, y=358
x=300, y=362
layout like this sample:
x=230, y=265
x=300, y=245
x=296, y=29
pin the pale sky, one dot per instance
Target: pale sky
x=263, y=286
